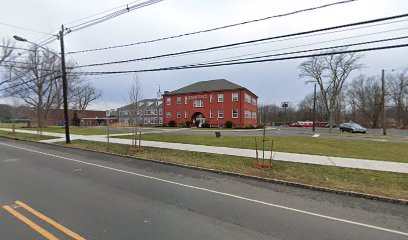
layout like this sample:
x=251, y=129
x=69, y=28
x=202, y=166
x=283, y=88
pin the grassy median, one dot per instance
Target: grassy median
x=77, y=130
x=372, y=182
x=25, y=136
x=365, y=149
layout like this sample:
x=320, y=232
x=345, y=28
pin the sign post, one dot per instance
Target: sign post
x=108, y=113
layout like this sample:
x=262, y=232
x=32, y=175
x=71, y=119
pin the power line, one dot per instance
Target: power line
x=111, y=15
x=310, y=50
x=248, y=42
x=100, y=13
x=17, y=48
x=244, y=62
x=309, y=44
x=217, y=28
x=24, y=28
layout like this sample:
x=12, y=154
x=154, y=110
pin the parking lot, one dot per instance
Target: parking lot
x=393, y=135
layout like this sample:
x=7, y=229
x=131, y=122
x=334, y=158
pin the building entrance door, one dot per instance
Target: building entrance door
x=198, y=119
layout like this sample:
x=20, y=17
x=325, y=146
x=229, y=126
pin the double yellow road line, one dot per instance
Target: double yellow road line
x=41, y=216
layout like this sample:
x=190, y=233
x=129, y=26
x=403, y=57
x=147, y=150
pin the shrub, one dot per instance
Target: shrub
x=172, y=123
x=165, y=125
x=182, y=124
x=206, y=125
x=249, y=126
x=229, y=124
x=188, y=124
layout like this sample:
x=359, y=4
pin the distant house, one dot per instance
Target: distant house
x=149, y=112
x=213, y=102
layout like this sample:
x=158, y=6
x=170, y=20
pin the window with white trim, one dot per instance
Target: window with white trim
x=234, y=113
x=160, y=111
x=185, y=100
x=211, y=98
x=168, y=115
x=221, y=97
x=247, y=114
x=160, y=120
x=185, y=114
x=178, y=100
x=198, y=103
x=168, y=100
x=253, y=115
x=220, y=113
x=211, y=114
x=247, y=98
x=253, y=101
x=178, y=114
x=235, y=97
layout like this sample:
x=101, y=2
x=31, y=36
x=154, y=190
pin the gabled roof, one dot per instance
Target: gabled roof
x=145, y=101
x=207, y=86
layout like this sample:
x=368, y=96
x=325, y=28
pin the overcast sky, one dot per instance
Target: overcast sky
x=273, y=82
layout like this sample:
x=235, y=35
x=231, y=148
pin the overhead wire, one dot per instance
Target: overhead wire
x=216, y=28
x=311, y=44
x=312, y=50
x=111, y=15
x=24, y=28
x=243, y=62
x=100, y=13
x=249, y=42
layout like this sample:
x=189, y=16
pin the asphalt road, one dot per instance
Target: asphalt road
x=98, y=196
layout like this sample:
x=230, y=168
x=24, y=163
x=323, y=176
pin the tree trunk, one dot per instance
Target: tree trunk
x=330, y=120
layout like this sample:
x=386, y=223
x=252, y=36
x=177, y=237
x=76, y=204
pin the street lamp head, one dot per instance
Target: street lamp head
x=19, y=38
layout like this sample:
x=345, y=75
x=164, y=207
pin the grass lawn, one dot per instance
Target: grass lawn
x=366, y=149
x=25, y=136
x=76, y=130
x=371, y=182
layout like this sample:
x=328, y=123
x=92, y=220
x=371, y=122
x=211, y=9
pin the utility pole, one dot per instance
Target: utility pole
x=64, y=86
x=314, y=108
x=384, y=116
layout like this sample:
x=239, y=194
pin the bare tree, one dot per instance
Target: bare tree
x=6, y=52
x=35, y=82
x=134, y=97
x=330, y=73
x=398, y=89
x=82, y=96
x=364, y=93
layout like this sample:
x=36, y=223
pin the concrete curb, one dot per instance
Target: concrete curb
x=271, y=180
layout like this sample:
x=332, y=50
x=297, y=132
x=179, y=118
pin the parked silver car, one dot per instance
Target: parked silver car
x=352, y=127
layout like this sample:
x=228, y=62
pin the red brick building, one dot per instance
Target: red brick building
x=213, y=102
x=55, y=117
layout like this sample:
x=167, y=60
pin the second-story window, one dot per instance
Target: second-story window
x=198, y=103
x=185, y=100
x=235, y=97
x=168, y=100
x=221, y=97
x=178, y=100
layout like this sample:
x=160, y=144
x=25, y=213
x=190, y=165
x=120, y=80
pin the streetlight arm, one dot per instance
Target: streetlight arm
x=20, y=39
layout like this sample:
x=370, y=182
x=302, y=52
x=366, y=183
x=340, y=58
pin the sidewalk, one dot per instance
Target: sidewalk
x=282, y=156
